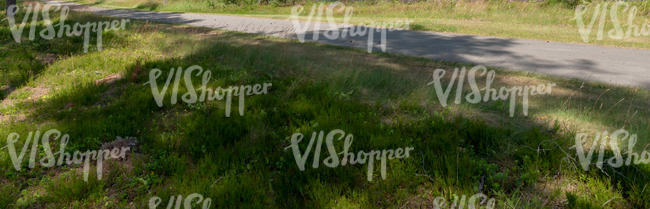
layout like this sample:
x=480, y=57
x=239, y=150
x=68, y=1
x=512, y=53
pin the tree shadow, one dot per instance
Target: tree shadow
x=151, y=6
x=307, y=78
x=30, y=57
x=579, y=61
x=166, y=17
x=586, y=62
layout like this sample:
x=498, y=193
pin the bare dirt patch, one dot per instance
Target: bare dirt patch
x=47, y=58
x=108, y=80
x=38, y=92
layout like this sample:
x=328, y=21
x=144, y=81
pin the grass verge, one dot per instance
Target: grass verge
x=544, y=20
x=241, y=162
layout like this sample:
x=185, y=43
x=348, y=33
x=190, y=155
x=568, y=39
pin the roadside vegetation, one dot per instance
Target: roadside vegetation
x=539, y=20
x=241, y=162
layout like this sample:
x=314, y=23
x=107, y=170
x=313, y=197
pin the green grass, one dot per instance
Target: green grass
x=547, y=21
x=240, y=161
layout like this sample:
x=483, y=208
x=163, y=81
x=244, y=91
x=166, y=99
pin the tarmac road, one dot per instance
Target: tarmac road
x=620, y=66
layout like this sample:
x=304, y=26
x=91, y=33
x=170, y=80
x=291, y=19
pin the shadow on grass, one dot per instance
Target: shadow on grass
x=22, y=60
x=96, y=2
x=241, y=161
x=151, y=6
x=166, y=17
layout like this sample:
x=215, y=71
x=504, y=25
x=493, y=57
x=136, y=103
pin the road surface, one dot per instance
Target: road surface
x=620, y=66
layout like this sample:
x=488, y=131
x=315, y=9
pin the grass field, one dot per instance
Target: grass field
x=241, y=161
x=543, y=20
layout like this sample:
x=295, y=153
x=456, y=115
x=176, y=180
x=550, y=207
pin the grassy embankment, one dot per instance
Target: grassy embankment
x=546, y=21
x=240, y=162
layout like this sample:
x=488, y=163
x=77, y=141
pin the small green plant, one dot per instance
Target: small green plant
x=8, y=195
